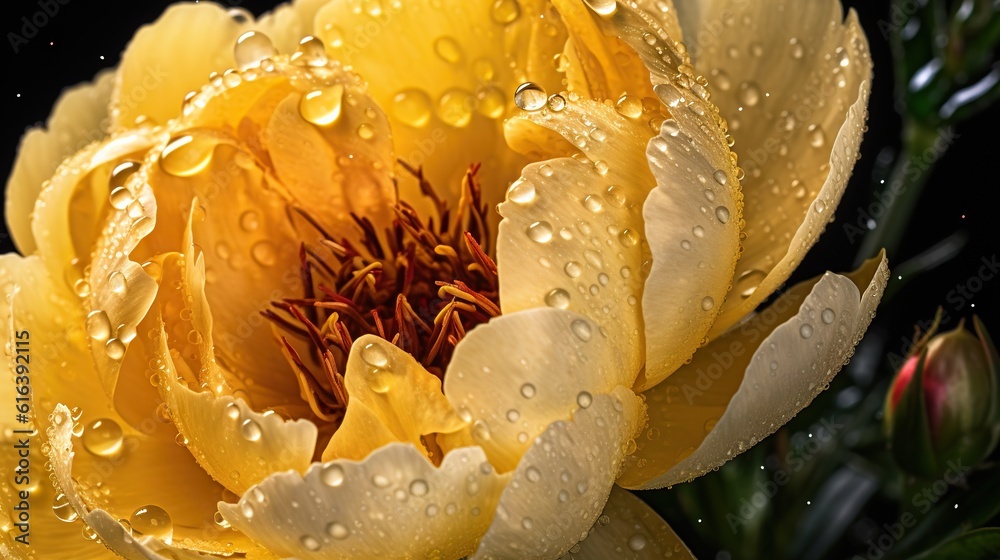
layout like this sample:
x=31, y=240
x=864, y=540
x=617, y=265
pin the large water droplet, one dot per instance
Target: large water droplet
x=521, y=191
x=332, y=475
x=455, y=107
x=448, y=49
x=322, y=107
x=98, y=325
x=558, y=298
x=103, y=437
x=530, y=96
x=337, y=531
x=806, y=330
x=540, y=232
x=310, y=52
x=828, y=316
x=582, y=329
x=63, y=509
x=412, y=107
x=816, y=136
x=629, y=106
x=153, y=521
x=375, y=356
x=251, y=430
x=749, y=93
x=505, y=11
x=310, y=543
x=187, y=155
x=251, y=48
x=602, y=7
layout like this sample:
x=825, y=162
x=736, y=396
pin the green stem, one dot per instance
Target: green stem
x=922, y=148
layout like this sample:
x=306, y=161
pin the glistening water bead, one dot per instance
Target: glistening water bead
x=530, y=96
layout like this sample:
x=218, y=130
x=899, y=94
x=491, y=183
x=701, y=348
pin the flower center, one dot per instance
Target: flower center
x=421, y=285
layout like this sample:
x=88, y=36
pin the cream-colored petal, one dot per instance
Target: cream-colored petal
x=747, y=383
x=237, y=446
x=392, y=387
x=440, y=71
x=793, y=79
x=80, y=117
x=394, y=504
x=112, y=477
x=629, y=529
x=693, y=217
x=169, y=58
x=560, y=486
x=573, y=235
x=112, y=534
x=514, y=376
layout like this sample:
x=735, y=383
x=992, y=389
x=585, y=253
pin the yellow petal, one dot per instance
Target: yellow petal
x=796, y=94
x=395, y=389
x=128, y=544
x=517, y=374
x=628, y=528
x=169, y=58
x=440, y=71
x=607, y=67
x=693, y=217
x=394, y=504
x=234, y=444
x=747, y=383
x=49, y=536
x=573, y=235
x=561, y=485
x=250, y=259
x=80, y=116
x=114, y=475
x=72, y=205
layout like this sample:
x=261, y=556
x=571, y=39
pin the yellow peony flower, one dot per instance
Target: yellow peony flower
x=264, y=318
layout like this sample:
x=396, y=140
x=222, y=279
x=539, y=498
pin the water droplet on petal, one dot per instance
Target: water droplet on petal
x=103, y=437
x=187, y=155
x=251, y=430
x=558, y=298
x=152, y=521
x=540, y=232
x=602, y=7
x=337, y=531
x=505, y=11
x=251, y=48
x=521, y=191
x=806, y=330
x=332, y=475
x=322, y=107
x=412, y=107
x=63, y=509
x=375, y=356
x=530, y=96
x=828, y=316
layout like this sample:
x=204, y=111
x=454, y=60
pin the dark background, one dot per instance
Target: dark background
x=85, y=37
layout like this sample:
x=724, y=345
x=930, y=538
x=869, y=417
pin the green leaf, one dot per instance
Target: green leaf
x=971, y=506
x=981, y=544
